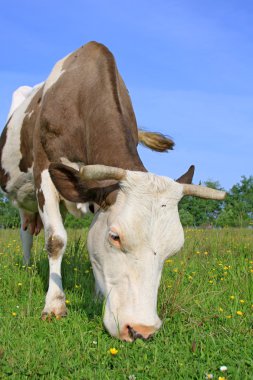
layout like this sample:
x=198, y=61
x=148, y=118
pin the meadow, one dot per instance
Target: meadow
x=205, y=301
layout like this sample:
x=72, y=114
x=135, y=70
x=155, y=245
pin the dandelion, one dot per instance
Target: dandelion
x=67, y=302
x=232, y=297
x=210, y=281
x=14, y=314
x=19, y=283
x=228, y=316
x=209, y=376
x=223, y=368
x=113, y=351
x=221, y=378
x=175, y=270
x=242, y=301
x=169, y=261
x=239, y=313
x=220, y=309
x=205, y=253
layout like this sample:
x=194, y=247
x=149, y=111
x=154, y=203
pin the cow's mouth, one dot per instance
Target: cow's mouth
x=136, y=335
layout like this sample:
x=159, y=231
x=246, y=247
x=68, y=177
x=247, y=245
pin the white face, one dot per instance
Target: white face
x=128, y=244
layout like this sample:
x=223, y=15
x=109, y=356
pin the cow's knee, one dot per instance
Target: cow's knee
x=56, y=244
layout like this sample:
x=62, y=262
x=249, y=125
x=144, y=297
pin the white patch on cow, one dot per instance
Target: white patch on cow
x=55, y=74
x=53, y=226
x=19, y=95
x=145, y=215
x=11, y=154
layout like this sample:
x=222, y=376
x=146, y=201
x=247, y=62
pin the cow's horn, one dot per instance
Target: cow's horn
x=101, y=172
x=203, y=192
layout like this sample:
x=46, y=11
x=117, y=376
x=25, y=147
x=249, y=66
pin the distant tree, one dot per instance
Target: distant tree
x=9, y=215
x=238, y=210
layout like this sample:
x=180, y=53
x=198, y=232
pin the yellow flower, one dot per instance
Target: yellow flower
x=169, y=261
x=225, y=267
x=14, y=314
x=67, y=302
x=222, y=378
x=232, y=297
x=220, y=309
x=239, y=312
x=242, y=301
x=19, y=283
x=228, y=316
x=175, y=270
x=205, y=253
x=210, y=282
x=113, y=351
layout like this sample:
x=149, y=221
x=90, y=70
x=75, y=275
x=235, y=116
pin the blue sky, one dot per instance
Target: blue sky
x=187, y=64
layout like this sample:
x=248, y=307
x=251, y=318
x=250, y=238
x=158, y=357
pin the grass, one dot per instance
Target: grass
x=205, y=301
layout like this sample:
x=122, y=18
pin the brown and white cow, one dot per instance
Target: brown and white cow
x=72, y=140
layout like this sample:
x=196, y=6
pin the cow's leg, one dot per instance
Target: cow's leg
x=55, y=241
x=26, y=238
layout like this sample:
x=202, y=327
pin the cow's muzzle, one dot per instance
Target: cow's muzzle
x=131, y=333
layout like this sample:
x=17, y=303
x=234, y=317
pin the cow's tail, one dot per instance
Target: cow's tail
x=155, y=141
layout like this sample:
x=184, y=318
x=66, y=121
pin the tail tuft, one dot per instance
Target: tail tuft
x=155, y=141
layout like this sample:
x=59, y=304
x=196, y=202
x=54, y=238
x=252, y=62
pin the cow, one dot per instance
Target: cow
x=70, y=144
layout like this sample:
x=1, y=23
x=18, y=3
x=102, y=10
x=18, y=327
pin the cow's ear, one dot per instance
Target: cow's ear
x=187, y=177
x=67, y=182
x=71, y=186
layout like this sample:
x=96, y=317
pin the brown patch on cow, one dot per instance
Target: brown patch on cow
x=54, y=246
x=27, y=132
x=4, y=176
x=87, y=115
x=41, y=199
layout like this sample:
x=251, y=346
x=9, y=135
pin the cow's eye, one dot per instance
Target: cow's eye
x=114, y=239
x=114, y=236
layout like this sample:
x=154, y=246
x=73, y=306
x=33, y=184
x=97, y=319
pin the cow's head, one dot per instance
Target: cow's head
x=136, y=228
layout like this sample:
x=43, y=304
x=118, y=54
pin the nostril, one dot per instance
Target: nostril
x=136, y=335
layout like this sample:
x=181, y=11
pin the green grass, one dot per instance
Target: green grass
x=201, y=329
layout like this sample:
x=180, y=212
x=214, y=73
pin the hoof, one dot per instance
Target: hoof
x=58, y=312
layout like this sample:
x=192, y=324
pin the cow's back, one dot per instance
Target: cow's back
x=86, y=112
